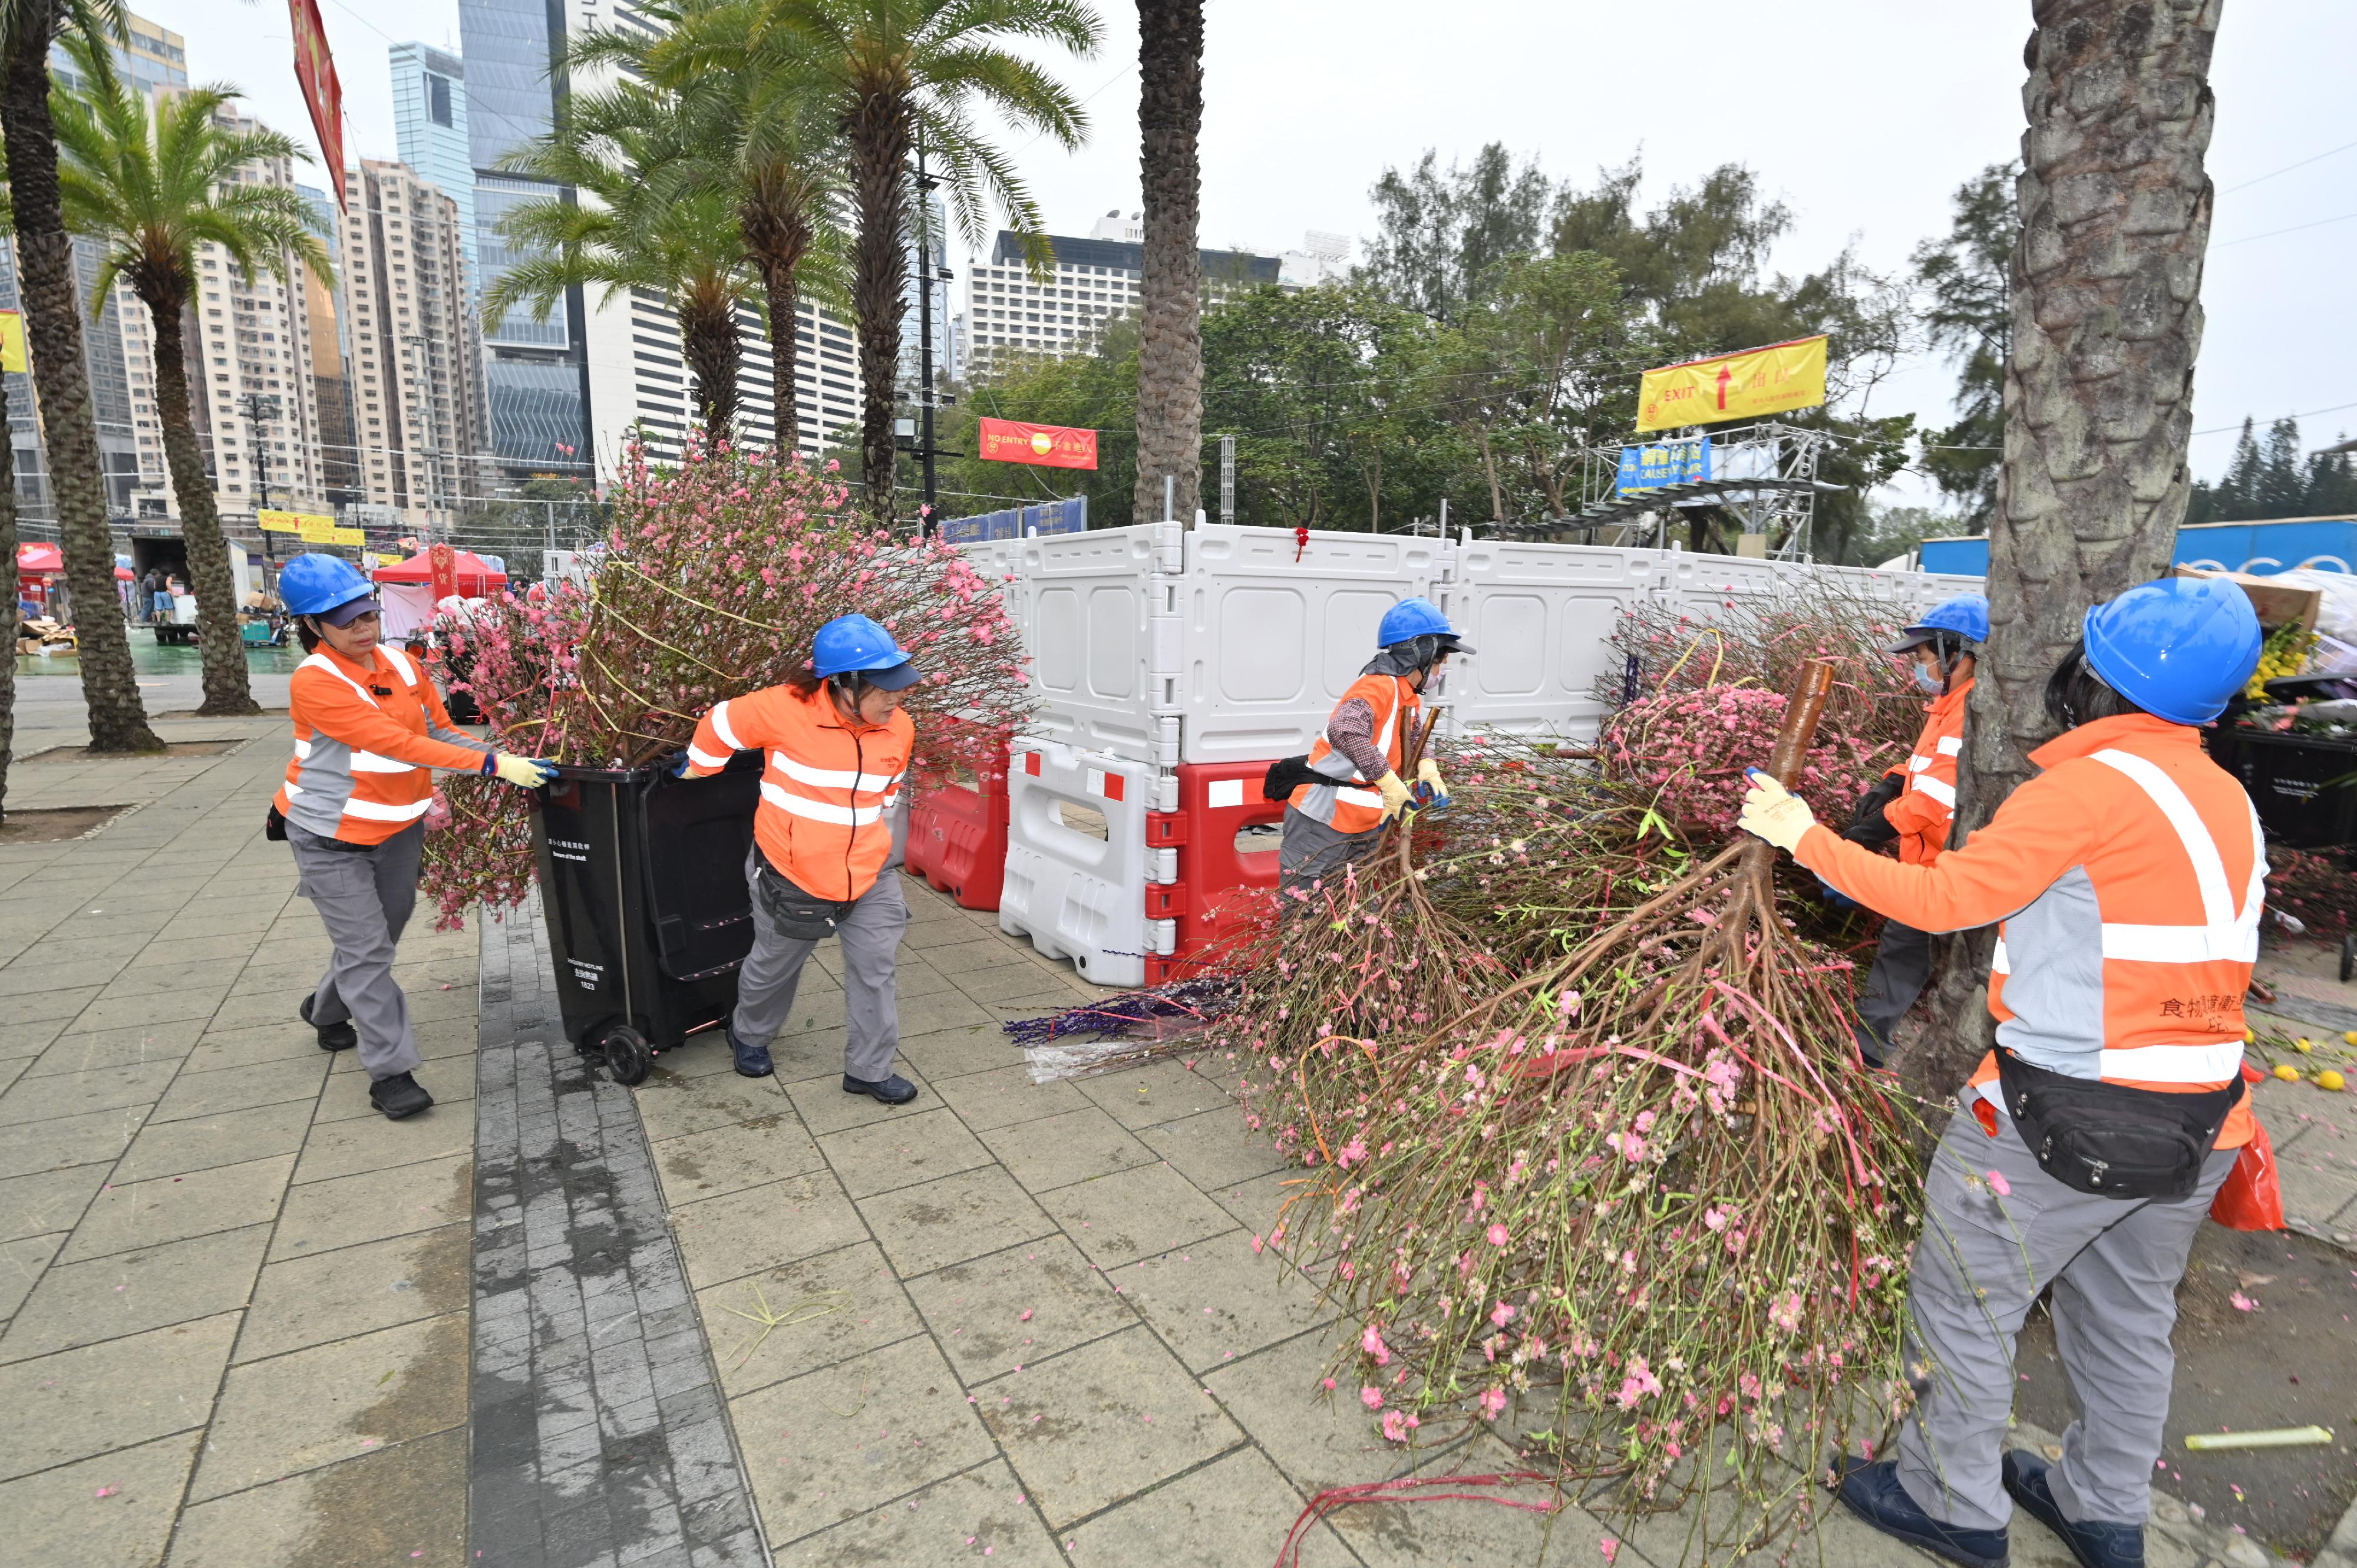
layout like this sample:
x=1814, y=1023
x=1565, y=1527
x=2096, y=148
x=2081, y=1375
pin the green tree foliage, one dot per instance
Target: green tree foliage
x=1439, y=234
x=1969, y=317
x=2268, y=478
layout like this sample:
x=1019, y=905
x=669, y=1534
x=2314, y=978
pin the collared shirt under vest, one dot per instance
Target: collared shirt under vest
x=828, y=784
x=1352, y=804
x=2126, y=879
x=365, y=736
x=1924, y=809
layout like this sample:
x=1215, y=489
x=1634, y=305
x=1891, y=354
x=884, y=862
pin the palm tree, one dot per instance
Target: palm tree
x=1171, y=325
x=151, y=189
x=892, y=72
x=2098, y=400
x=760, y=140
x=52, y=303
x=636, y=233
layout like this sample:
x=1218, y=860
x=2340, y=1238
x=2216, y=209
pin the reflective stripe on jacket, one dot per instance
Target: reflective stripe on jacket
x=1924, y=809
x=2127, y=880
x=1349, y=805
x=828, y=785
x=365, y=736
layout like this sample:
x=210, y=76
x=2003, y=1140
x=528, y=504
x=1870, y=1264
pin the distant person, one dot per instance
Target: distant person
x=159, y=593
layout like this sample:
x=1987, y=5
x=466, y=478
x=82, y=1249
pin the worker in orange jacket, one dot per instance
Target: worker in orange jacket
x=1339, y=814
x=825, y=836
x=2126, y=881
x=1912, y=807
x=369, y=727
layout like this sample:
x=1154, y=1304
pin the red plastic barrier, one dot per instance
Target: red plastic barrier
x=957, y=838
x=1215, y=800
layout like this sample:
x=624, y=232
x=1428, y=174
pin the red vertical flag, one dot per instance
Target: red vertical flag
x=315, y=68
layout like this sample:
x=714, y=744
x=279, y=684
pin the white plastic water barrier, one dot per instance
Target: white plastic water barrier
x=1075, y=895
x=1540, y=619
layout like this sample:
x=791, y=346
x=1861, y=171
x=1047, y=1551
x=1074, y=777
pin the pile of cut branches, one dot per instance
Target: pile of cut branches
x=716, y=577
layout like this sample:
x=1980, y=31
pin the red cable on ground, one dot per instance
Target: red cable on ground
x=1408, y=1489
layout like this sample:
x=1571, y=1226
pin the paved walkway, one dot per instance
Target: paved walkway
x=246, y=1321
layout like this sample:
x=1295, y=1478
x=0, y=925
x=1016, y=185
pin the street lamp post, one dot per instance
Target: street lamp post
x=260, y=410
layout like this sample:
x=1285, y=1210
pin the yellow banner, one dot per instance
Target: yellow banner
x=12, y=342
x=279, y=521
x=347, y=536
x=1750, y=384
x=318, y=530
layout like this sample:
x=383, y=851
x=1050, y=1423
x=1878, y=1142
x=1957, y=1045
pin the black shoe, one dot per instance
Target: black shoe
x=332, y=1036
x=399, y=1096
x=893, y=1091
x=1873, y=1493
x=2094, y=1543
x=752, y=1061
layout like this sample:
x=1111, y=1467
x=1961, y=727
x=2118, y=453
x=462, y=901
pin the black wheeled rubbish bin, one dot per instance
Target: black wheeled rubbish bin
x=643, y=885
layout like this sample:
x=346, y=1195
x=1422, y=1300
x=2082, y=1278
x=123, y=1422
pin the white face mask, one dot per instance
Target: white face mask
x=1931, y=681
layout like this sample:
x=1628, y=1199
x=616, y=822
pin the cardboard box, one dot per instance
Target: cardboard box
x=2277, y=604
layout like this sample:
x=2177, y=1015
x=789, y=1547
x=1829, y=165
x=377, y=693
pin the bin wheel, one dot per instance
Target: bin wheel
x=628, y=1059
x=2348, y=958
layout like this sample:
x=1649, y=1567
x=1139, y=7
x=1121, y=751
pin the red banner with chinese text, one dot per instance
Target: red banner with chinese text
x=315, y=69
x=1049, y=445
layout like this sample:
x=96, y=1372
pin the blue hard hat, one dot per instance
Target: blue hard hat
x=1417, y=617
x=2178, y=649
x=1967, y=616
x=312, y=584
x=856, y=644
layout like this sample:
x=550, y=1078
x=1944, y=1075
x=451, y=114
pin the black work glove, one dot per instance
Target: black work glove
x=1867, y=826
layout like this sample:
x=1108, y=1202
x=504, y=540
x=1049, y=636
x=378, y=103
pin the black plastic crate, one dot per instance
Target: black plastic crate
x=2304, y=788
x=642, y=888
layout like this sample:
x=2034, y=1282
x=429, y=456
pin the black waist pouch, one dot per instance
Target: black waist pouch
x=1288, y=774
x=796, y=913
x=273, y=826
x=2109, y=1140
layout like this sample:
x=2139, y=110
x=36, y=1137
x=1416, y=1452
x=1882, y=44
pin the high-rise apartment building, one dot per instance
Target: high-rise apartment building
x=429, y=125
x=330, y=310
x=1091, y=283
x=148, y=57
x=412, y=366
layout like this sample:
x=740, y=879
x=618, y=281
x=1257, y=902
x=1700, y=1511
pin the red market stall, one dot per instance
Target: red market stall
x=412, y=588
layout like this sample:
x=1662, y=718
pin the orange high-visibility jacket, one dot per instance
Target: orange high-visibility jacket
x=1349, y=805
x=364, y=738
x=828, y=784
x=1924, y=809
x=2127, y=880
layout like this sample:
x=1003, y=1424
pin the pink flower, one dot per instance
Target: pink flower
x=1610, y=1547
x=1372, y=1397
x=2003, y=1187
x=1396, y=1426
x=1498, y=1236
x=1494, y=1401
x=1372, y=1344
x=1501, y=1314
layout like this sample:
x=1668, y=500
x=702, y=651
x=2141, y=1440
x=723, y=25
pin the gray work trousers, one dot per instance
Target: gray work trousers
x=1901, y=965
x=2114, y=1265
x=364, y=898
x=871, y=948
x=1308, y=849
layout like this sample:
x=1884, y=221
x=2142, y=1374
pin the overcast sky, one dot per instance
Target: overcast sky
x=1861, y=116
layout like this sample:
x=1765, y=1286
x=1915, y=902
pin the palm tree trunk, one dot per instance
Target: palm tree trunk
x=2115, y=209
x=707, y=334
x=9, y=555
x=218, y=640
x=1170, y=327
x=61, y=376
x=777, y=241
x=880, y=136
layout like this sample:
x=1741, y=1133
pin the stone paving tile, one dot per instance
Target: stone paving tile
x=825, y=1108
x=1058, y=1151
x=1002, y=1096
x=742, y=1154
x=951, y=1220
x=176, y=1148
x=134, y=1047
x=67, y=1096
x=101, y=1398
x=671, y=1105
x=760, y=1227
x=901, y=1151
x=370, y=1144
x=373, y=1206
x=392, y=1505
x=829, y=1308
x=1213, y=1149
x=1235, y=1510
x=241, y=1088
x=958, y=1051
x=1092, y=1426
x=129, y=1293
x=1135, y=1213
x=1032, y=1301
x=1216, y=1300
x=174, y=1209
x=1157, y=1092
x=21, y=1262
x=332, y=1402
x=834, y=1444
x=357, y=1289
x=52, y=1519
x=961, y=1520
x=48, y=1201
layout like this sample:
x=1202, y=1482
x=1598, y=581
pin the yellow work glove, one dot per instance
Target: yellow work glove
x=1395, y=794
x=1773, y=812
x=1428, y=772
x=527, y=771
